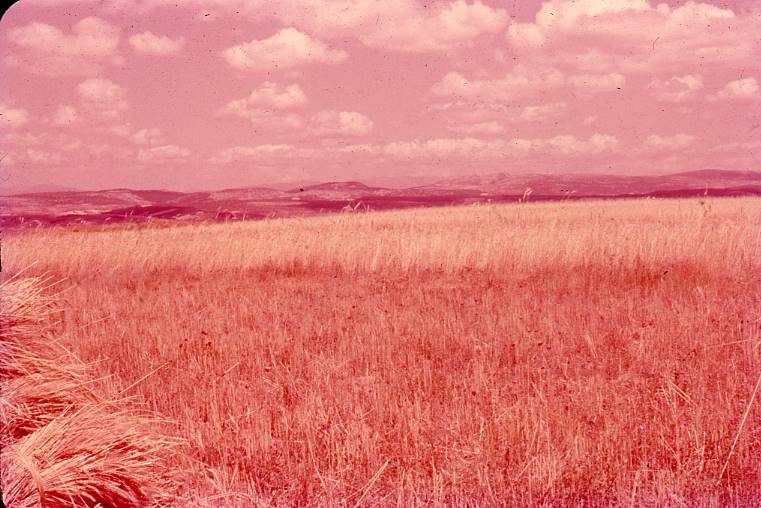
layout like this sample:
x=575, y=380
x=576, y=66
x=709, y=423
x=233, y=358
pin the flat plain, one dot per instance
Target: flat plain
x=586, y=353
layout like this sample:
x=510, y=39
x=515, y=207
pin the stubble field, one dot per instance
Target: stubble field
x=596, y=353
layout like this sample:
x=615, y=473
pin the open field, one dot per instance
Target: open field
x=548, y=353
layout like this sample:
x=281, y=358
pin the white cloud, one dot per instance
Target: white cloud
x=65, y=115
x=564, y=14
x=482, y=128
x=694, y=12
x=519, y=82
x=149, y=43
x=738, y=146
x=590, y=120
x=287, y=48
x=427, y=149
x=396, y=25
x=448, y=27
x=101, y=90
x=103, y=98
x=340, y=123
x=635, y=36
x=570, y=145
x=674, y=142
x=677, y=88
x=270, y=95
x=392, y=25
x=55, y=140
x=261, y=105
x=148, y=137
x=244, y=153
x=64, y=142
x=20, y=139
x=446, y=147
x=12, y=117
x=46, y=49
x=45, y=148
x=610, y=16
x=43, y=156
x=165, y=153
x=746, y=88
x=523, y=81
x=565, y=145
x=542, y=112
x=598, y=82
x=526, y=34
x=122, y=130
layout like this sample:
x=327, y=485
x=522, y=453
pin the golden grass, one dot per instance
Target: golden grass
x=560, y=353
x=66, y=439
x=492, y=238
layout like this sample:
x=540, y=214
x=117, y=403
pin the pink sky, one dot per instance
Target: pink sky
x=203, y=94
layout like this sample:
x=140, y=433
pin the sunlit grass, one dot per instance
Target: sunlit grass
x=597, y=352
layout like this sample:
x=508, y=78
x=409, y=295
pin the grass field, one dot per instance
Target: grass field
x=597, y=353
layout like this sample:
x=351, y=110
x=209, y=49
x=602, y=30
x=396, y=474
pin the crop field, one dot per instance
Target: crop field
x=595, y=353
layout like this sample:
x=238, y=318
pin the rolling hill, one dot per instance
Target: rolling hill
x=119, y=205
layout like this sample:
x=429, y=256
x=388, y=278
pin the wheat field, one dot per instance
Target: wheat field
x=595, y=353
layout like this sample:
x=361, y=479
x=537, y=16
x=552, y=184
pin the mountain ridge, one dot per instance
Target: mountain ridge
x=122, y=204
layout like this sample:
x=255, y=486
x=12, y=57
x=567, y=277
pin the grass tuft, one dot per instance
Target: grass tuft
x=67, y=439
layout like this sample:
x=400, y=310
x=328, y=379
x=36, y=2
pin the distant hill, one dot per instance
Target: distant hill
x=337, y=186
x=719, y=174
x=601, y=185
x=119, y=205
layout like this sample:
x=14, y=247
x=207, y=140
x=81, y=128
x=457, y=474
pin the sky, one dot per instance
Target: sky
x=208, y=94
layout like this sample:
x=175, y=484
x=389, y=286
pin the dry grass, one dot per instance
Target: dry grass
x=66, y=439
x=601, y=353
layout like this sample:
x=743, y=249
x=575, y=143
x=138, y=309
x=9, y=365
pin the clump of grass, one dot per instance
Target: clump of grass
x=68, y=439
